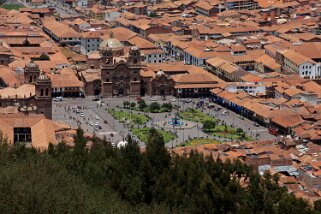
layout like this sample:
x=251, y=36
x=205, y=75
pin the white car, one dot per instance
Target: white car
x=82, y=114
x=153, y=99
x=57, y=99
x=173, y=100
x=96, y=124
x=97, y=117
x=91, y=123
x=224, y=112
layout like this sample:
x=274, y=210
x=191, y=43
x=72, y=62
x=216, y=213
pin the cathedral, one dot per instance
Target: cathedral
x=120, y=74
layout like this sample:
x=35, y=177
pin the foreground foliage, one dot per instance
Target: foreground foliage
x=107, y=180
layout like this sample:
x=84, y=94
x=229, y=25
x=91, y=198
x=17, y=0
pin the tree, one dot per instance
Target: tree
x=239, y=131
x=225, y=128
x=126, y=104
x=142, y=104
x=132, y=105
x=26, y=43
x=209, y=124
x=104, y=179
x=167, y=106
x=317, y=205
x=43, y=57
x=154, y=107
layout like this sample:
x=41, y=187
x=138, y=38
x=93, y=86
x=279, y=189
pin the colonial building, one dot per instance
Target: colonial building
x=120, y=75
x=33, y=96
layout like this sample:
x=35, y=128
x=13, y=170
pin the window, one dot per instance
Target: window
x=107, y=80
x=135, y=79
x=41, y=92
x=47, y=91
x=22, y=135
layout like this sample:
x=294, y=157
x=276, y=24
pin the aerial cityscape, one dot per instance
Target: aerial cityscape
x=160, y=106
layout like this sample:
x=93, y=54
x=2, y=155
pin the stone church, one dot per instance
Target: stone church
x=120, y=74
x=32, y=96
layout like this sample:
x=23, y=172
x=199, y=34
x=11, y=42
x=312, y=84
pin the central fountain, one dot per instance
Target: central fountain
x=176, y=121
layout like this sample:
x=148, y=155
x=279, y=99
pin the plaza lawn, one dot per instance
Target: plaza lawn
x=195, y=115
x=12, y=6
x=228, y=133
x=143, y=133
x=200, y=141
x=125, y=116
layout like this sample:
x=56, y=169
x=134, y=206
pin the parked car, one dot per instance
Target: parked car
x=173, y=100
x=224, y=112
x=97, y=117
x=273, y=131
x=91, y=123
x=153, y=98
x=82, y=114
x=58, y=99
x=210, y=106
x=256, y=124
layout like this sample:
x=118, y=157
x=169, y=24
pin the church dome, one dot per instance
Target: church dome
x=160, y=73
x=43, y=77
x=111, y=43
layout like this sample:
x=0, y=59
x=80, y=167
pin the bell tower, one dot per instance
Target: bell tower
x=31, y=72
x=134, y=57
x=106, y=56
x=43, y=97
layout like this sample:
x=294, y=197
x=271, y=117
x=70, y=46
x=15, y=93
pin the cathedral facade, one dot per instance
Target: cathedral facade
x=120, y=74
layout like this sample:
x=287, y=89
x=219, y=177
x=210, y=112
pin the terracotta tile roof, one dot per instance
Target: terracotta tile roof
x=25, y=90
x=10, y=77
x=65, y=80
x=191, y=85
x=91, y=74
x=268, y=61
x=42, y=129
x=296, y=57
x=59, y=29
x=286, y=121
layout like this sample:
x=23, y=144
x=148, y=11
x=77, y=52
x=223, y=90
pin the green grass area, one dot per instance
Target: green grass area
x=143, y=133
x=220, y=131
x=148, y=110
x=12, y=6
x=200, y=141
x=126, y=117
x=229, y=133
x=195, y=115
